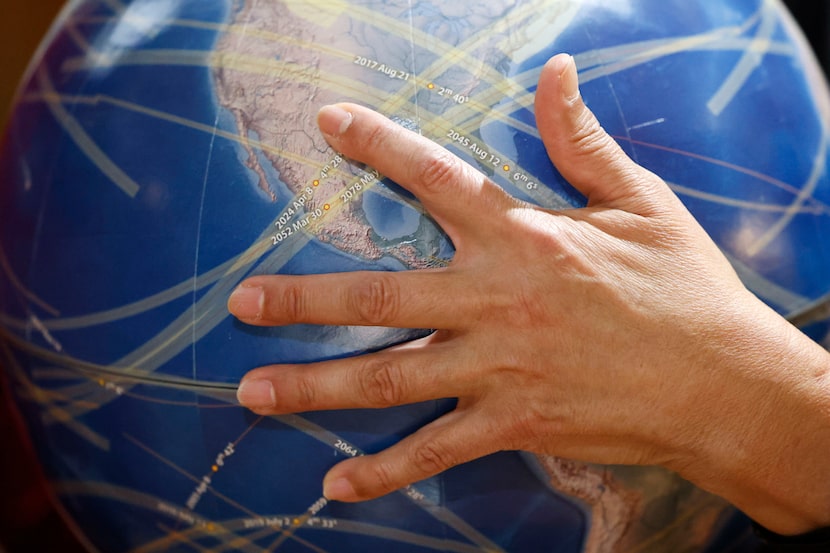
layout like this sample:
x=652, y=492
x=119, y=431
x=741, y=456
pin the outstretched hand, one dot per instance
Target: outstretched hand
x=607, y=334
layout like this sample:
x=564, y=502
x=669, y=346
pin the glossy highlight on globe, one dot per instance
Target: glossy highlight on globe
x=161, y=151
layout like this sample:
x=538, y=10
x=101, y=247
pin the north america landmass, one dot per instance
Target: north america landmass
x=311, y=62
x=309, y=54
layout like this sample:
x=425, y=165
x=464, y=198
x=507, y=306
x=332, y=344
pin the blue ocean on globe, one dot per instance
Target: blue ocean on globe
x=160, y=151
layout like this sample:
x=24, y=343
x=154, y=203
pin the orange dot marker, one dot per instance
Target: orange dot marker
x=506, y=167
x=327, y=207
x=316, y=183
x=214, y=468
x=430, y=86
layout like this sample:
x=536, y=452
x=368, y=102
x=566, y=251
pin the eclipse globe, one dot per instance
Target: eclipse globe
x=161, y=151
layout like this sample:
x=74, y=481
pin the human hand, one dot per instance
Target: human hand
x=602, y=334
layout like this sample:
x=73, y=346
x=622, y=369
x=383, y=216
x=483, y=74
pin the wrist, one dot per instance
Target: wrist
x=761, y=433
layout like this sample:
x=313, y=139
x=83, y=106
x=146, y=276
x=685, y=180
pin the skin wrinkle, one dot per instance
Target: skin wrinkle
x=615, y=334
x=376, y=302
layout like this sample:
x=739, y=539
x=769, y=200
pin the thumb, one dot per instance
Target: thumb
x=580, y=148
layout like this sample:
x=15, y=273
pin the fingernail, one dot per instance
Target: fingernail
x=340, y=489
x=334, y=120
x=246, y=302
x=256, y=394
x=569, y=79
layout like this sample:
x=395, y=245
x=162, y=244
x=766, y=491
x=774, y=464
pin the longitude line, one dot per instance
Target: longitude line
x=198, y=245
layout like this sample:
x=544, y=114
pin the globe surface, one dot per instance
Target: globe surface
x=160, y=151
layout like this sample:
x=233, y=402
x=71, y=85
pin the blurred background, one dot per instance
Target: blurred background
x=28, y=523
x=22, y=24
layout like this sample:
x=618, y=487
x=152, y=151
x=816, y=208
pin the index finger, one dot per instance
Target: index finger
x=457, y=195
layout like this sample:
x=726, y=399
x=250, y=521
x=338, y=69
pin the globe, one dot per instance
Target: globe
x=160, y=151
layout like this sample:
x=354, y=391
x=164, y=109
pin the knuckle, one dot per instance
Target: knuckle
x=527, y=311
x=437, y=172
x=380, y=384
x=431, y=458
x=306, y=398
x=543, y=232
x=382, y=479
x=374, y=139
x=564, y=244
x=590, y=139
x=293, y=304
x=525, y=428
x=376, y=302
x=521, y=428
